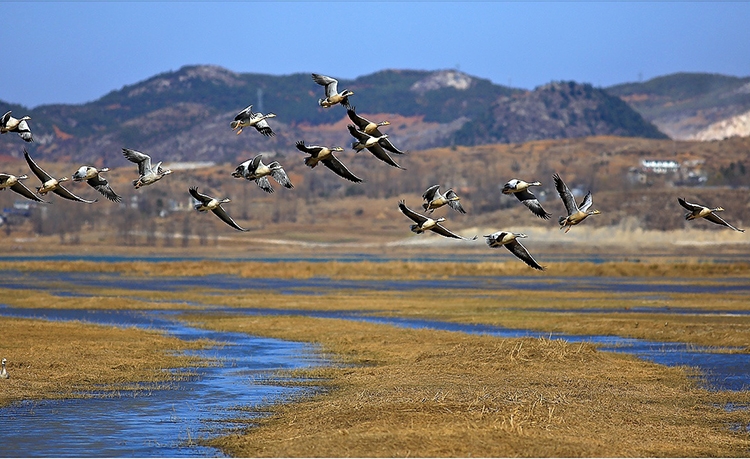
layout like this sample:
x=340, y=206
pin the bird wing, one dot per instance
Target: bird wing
x=331, y=84
x=565, y=195
x=429, y=194
x=378, y=151
x=253, y=166
x=529, y=200
x=688, y=205
x=443, y=231
x=263, y=127
x=387, y=144
x=417, y=218
x=38, y=171
x=356, y=119
x=141, y=159
x=311, y=149
x=264, y=184
x=24, y=131
x=338, y=167
x=224, y=216
x=517, y=249
x=102, y=186
x=203, y=198
x=21, y=189
x=64, y=193
x=247, y=112
x=6, y=117
x=586, y=203
x=357, y=134
x=454, y=203
x=712, y=217
x=280, y=176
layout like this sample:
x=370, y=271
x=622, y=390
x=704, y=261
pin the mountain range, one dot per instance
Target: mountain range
x=184, y=115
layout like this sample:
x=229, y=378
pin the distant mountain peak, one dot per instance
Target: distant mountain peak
x=184, y=76
x=443, y=79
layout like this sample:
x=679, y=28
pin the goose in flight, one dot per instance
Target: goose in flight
x=333, y=96
x=370, y=127
x=50, y=183
x=511, y=242
x=14, y=183
x=576, y=213
x=325, y=156
x=20, y=126
x=699, y=211
x=433, y=199
x=3, y=372
x=427, y=224
x=91, y=175
x=520, y=189
x=206, y=203
x=247, y=118
x=254, y=169
x=372, y=144
x=148, y=173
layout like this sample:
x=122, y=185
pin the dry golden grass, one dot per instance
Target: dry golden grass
x=439, y=394
x=389, y=269
x=55, y=360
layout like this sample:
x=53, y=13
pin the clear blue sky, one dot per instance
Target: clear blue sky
x=76, y=52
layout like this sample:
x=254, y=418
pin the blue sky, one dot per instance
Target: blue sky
x=76, y=52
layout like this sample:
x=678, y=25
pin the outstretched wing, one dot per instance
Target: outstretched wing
x=21, y=189
x=141, y=159
x=264, y=184
x=310, y=149
x=429, y=194
x=102, y=186
x=417, y=218
x=688, y=205
x=357, y=134
x=529, y=200
x=517, y=249
x=443, y=231
x=331, y=84
x=263, y=127
x=200, y=197
x=338, y=167
x=224, y=216
x=586, y=203
x=64, y=193
x=389, y=146
x=453, y=202
x=279, y=174
x=38, y=171
x=24, y=131
x=356, y=119
x=712, y=217
x=565, y=195
x=246, y=113
x=378, y=151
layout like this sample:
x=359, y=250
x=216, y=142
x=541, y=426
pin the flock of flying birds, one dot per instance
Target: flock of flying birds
x=367, y=136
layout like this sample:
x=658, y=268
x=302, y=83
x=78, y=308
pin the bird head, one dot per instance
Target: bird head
x=719, y=209
x=594, y=212
x=337, y=149
x=384, y=123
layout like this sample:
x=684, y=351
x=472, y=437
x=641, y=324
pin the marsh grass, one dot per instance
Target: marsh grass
x=404, y=392
x=55, y=360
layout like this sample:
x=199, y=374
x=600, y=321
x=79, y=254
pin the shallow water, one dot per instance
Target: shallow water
x=155, y=422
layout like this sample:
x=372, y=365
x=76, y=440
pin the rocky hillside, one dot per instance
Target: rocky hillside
x=184, y=115
x=690, y=105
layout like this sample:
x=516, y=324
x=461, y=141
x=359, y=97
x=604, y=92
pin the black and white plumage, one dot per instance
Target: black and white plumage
x=50, y=183
x=17, y=125
x=254, y=169
x=14, y=183
x=91, y=175
x=424, y=223
x=433, y=199
x=247, y=118
x=699, y=211
x=333, y=96
x=147, y=172
x=372, y=144
x=325, y=156
x=370, y=127
x=576, y=213
x=510, y=241
x=206, y=203
x=520, y=189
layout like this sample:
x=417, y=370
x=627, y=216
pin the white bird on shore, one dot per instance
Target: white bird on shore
x=3, y=372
